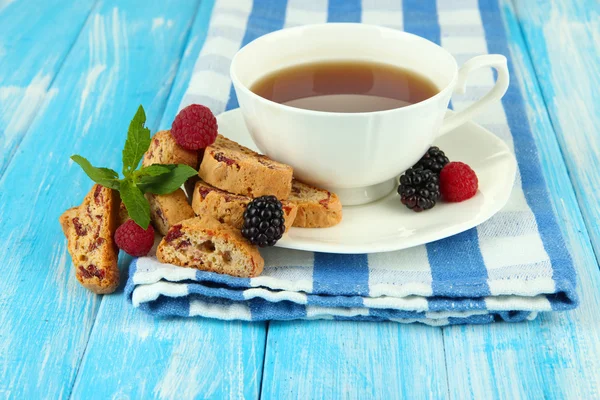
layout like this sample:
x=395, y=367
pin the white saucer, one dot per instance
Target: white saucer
x=387, y=225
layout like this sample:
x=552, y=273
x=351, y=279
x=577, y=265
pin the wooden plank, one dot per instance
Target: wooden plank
x=192, y=50
x=32, y=50
x=353, y=360
x=556, y=356
x=118, y=62
x=563, y=37
x=174, y=358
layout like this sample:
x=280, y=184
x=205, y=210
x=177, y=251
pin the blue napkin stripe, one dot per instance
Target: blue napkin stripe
x=452, y=260
x=230, y=281
x=266, y=16
x=421, y=18
x=534, y=184
x=344, y=11
x=263, y=310
x=337, y=274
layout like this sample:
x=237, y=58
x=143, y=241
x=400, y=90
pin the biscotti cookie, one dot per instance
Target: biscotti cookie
x=206, y=244
x=89, y=229
x=237, y=169
x=167, y=210
x=229, y=208
x=317, y=208
x=65, y=219
x=164, y=150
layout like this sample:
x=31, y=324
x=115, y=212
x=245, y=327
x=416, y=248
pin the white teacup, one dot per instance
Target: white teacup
x=356, y=155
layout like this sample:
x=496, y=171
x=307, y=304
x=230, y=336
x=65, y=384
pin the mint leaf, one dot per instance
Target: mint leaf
x=103, y=176
x=138, y=141
x=166, y=183
x=155, y=170
x=137, y=206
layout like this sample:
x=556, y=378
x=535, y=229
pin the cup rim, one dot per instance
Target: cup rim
x=335, y=25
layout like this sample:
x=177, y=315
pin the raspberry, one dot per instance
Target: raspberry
x=458, y=182
x=133, y=240
x=195, y=127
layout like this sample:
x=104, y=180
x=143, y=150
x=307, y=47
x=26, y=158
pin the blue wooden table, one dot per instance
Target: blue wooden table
x=71, y=76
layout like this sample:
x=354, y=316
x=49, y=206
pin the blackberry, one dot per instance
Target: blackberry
x=434, y=160
x=419, y=189
x=263, y=221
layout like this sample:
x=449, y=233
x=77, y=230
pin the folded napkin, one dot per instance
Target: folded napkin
x=508, y=268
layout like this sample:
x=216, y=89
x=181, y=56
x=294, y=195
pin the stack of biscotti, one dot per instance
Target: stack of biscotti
x=203, y=242
x=230, y=176
x=229, y=169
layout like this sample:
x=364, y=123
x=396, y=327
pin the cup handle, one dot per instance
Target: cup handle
x=496, y=61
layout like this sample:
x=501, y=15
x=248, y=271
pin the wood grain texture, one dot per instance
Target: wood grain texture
x=353, y=360
x=117, y=63
x=183, y=358
x=32, y=50
x=172, y=358
x=194, y=44
x=556, y=356
x=562, y=37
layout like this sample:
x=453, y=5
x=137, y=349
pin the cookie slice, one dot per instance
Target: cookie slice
x=168, y=209
x=317, y=208
x=229, y=208
x=65, y=219
x=237, y=169
x=164, y=150
x=206, y=244
x=90, y=229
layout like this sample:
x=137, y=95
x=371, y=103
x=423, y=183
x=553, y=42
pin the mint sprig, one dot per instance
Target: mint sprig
x=166, y=183
x=137, y=206
x=156, y=179
x=138, y=141
x=103, y=176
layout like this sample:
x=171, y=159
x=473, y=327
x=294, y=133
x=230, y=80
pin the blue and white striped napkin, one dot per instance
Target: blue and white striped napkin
x=509, y=268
